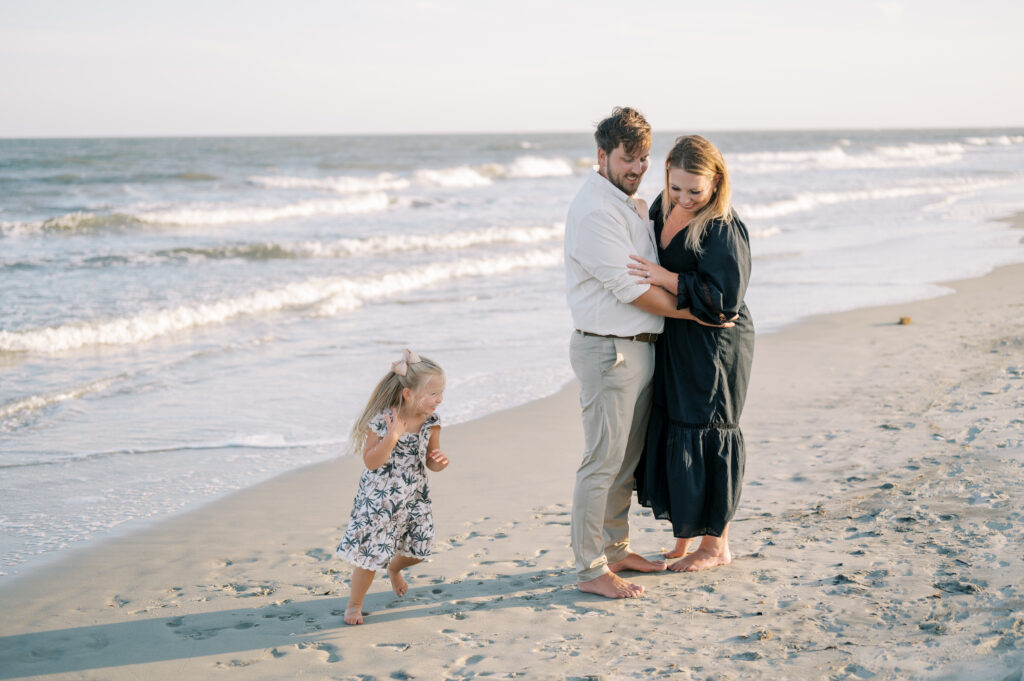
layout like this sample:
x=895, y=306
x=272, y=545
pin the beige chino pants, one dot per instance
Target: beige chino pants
x=615, y=396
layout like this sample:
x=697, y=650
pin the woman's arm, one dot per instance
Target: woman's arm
x=715, y=290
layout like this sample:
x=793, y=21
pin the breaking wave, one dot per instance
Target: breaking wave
x=328, y=296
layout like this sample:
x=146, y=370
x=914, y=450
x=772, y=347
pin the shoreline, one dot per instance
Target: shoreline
x=883, y=489
x=15, y=572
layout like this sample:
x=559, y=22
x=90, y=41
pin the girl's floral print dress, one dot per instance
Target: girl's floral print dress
x=391, y=513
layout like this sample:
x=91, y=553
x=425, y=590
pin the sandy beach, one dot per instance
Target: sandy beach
x=879, y=537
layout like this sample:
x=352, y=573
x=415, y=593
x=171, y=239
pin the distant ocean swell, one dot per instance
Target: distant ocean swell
x=464, y=176
x=367, y=195
x=808, y=201
x=326, y=296
x=223, y=215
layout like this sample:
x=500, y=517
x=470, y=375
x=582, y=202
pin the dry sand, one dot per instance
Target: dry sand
x=880, y=537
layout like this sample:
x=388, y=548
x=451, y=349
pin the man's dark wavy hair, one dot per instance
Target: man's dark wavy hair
x=625, y=126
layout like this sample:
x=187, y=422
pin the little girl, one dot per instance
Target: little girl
x=398, y=433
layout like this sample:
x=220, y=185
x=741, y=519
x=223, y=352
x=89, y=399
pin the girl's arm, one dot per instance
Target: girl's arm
x=377, y=449
x=436, y=460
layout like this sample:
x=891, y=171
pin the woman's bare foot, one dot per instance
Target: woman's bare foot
x=610, y=585
x=637, y=563
x=680, y=549
x=354, y=614
x=701, y=559
x=398, y=583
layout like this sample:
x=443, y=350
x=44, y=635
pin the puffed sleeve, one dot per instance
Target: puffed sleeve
x=432, y=421
x=714, y=291
x=378, y=425
x=608, y=247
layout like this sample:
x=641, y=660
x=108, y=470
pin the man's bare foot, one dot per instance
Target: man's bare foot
x=354, y=614
x=701, y=559
x=398, y=582
x=610, y=585
x=680, y=549
x=637, y=563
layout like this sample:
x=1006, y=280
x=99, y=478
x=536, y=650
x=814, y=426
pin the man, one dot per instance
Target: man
x=617, y=320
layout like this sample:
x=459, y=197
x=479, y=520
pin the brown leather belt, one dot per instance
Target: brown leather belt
x=640, y=337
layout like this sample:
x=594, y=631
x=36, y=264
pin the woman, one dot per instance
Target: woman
x=692, y=468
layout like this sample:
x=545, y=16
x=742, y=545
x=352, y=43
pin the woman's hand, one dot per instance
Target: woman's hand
x=436, y=460
x=726, y=324
x=652, y=273
x=640, y=206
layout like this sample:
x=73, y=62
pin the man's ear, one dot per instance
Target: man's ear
x=602, y=159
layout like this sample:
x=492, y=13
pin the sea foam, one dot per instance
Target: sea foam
x=332, y=295
x=14, y=412
x=374, y=245
x=340, y=184
x=810, y=200
x=222, y=214
x=841, y=157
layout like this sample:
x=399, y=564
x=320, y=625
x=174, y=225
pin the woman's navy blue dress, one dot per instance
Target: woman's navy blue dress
x=691, y=472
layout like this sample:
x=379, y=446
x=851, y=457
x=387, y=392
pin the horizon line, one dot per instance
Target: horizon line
x=499, y=132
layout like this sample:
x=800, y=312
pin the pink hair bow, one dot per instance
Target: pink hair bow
x=401, y=367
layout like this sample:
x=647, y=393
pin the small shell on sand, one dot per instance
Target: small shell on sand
x=904, y=321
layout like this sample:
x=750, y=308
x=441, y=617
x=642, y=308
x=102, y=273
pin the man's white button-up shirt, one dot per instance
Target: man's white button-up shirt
x=601, y=231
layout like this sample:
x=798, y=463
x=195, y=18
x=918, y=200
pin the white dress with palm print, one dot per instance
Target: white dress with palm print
x=391, y=513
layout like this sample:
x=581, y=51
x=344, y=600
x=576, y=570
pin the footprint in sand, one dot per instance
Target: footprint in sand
x=319, y=555
x=200, y=634
x=397, y=647
x=329, y=652
x=461, y=668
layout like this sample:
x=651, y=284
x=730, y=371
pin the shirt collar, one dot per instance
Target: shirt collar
x=611, y=189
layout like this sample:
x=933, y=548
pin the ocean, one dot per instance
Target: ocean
x=184, y=317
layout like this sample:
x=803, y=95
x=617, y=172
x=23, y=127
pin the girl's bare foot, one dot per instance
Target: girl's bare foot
x=398, y=583
x=610, y=585
x=680, y=549
x=701, y=559
x=354, y=614
x=395, y=567
x=637, y=563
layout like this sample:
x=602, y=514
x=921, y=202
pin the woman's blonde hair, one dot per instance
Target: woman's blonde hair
x=388, y=395
x=695, y=155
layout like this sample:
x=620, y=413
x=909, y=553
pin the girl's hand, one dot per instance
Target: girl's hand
x=436, y=460
x=652, y=273
x=395, y=424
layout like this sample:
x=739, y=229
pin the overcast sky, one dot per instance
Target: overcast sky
x=107, y=68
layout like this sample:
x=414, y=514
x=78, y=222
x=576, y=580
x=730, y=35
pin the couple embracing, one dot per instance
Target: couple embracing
x=662, y=350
